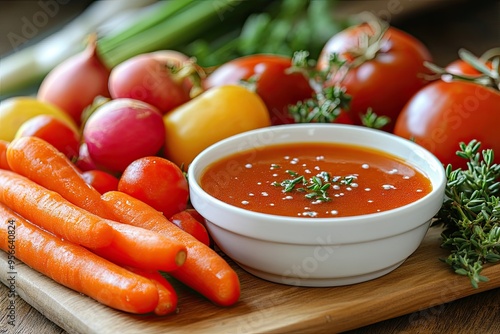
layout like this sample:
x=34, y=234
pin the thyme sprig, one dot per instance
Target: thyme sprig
x=372, y=120
x=327, y=102
x=471, y=213
x=315, y=188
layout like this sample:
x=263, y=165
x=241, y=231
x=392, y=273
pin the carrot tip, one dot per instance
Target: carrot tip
x=180, y=258
x=164, y=309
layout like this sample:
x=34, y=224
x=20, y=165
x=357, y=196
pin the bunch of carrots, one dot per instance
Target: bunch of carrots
x=111, y=247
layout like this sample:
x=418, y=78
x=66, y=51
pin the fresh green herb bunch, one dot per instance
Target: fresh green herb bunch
x=471, y=213
x=280, y=27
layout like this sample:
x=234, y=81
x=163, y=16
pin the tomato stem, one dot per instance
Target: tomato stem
x=191, y=71
x=369, y=45
x=489, y=75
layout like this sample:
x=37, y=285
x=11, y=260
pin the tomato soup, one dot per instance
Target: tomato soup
x=314, y=180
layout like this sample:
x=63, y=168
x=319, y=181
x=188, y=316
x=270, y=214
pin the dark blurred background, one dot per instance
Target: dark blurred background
x=443, y=25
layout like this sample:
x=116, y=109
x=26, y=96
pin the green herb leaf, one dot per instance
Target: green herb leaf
x=315, y=188
x=470, y=213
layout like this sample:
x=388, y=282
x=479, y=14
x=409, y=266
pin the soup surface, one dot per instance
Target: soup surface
x=314, y=180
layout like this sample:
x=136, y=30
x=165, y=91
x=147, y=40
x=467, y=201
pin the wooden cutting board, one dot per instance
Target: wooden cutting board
x=419, y=283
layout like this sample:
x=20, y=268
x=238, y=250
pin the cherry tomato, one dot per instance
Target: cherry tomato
x=54, y=131
x=461, y=67
x=3, y=154
x=157, y=182
x=381, y=75
x=186, y=222
x=148, y=78
x=100, y=180
x=443, y=114
x=16, y=110
x=273, y=83
x=196, y=215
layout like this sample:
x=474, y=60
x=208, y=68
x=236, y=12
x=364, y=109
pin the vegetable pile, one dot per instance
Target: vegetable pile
x=113, y=241
x=94, y=165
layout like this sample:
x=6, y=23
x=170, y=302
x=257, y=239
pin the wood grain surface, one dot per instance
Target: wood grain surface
x=422, y=282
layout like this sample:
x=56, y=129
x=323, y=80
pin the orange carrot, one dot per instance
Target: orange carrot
x=168, y=298
x=53, y=213
x=3, y=154
x=185, y=221
x=44, y=164
x=75, y=267
x=204, y=270
x=138, y=247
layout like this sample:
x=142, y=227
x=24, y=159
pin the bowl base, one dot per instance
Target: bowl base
x=319, y=282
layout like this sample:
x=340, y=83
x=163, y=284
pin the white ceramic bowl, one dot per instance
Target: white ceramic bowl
x=319, y=251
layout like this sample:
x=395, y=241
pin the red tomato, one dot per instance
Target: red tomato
x=274, y=84
x=196, y=215
x=147, y=78
x=443, y=114
x=186, y=222
x=54, y=131
x=100, y=180
x=344, y=118
x=461, y=67
x=157, y=182
x=388, y=75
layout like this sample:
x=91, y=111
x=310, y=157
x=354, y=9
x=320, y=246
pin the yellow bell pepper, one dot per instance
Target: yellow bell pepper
x=216, y=114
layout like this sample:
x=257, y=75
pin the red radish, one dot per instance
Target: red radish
x=76, y=82
x=150, y=79
x=121, y=131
